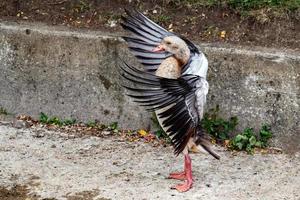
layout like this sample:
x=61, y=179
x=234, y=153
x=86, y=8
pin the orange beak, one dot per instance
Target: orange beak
x=159, y=48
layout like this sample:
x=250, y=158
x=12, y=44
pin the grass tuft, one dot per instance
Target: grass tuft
x=3, y=111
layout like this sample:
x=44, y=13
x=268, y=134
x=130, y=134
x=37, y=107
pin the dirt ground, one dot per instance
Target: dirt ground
x=221, y=24
x=36, y=163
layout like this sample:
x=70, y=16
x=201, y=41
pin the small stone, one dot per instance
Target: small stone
x=39, y=134
x=71, y=136
x=19, y=124
x=12, y=137
x=112, y=23
x=106, y=133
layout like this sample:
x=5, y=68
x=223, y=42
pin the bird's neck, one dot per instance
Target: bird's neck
x=183, y=55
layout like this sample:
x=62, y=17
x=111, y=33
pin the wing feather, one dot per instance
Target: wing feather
x=145, y=36
x=176, y=96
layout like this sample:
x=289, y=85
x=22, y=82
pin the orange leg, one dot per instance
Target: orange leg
x=185, y=175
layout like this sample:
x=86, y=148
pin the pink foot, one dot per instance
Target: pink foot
x=185, y=175
x=183, y=187
x=178, y=175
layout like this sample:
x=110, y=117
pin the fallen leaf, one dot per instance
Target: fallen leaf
x=226, y=143
x=142, y=132
x=223, y=34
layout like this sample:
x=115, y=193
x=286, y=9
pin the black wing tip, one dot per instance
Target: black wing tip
x=130, y=10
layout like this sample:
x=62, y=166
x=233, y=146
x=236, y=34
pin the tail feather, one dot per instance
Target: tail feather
x=210, y=151
x=201, y=139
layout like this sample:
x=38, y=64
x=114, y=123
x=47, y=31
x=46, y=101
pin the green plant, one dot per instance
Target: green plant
x=248, y=140
x=265, y=134
x=69, y=122
x=95, y=124
x=245, y=141
x=217, y=126
x=55, y=120
x=3, y=111
x=43, y=118
x=162, y=18
x=83, y=6
x=91, y=124
x=113, y=127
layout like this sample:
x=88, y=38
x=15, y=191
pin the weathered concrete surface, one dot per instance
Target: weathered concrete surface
x=62, y=73
x=258, y=86
x=73, y=74
x=61, y=166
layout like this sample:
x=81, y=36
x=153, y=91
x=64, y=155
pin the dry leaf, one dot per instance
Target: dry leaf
x=223, y=34
x=142, y=132
x=227, y=143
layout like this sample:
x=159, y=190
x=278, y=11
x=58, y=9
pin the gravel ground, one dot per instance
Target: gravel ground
x=55, y=165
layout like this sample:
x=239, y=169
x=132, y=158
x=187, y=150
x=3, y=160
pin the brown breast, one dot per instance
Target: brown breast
x=169, y=68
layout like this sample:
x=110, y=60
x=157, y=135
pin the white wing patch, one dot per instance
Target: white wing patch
x=198, y=65
x=201, y=96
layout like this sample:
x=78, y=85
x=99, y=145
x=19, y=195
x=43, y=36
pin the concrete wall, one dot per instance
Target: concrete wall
x=73, y=74
x=67, y=74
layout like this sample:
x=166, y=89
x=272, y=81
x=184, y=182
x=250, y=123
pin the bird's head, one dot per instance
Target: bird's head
x=175, y=46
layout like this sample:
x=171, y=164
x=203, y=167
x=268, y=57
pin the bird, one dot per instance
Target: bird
x=172, y=84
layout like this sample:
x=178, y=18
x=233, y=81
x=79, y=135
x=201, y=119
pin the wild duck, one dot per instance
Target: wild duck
x=173, y=85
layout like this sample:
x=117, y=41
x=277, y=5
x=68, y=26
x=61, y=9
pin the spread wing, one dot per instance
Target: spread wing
x=146, y=35
x=181, y=99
